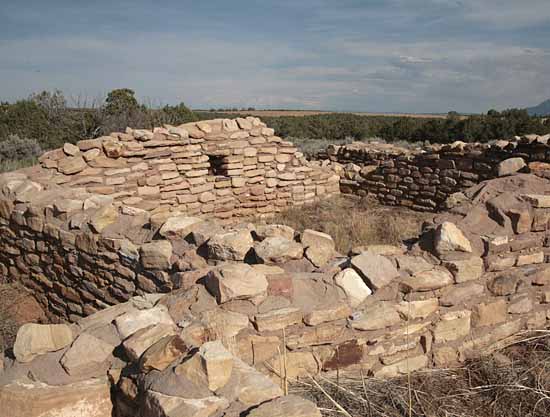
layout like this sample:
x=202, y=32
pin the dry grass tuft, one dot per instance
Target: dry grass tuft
x=511, y=383
x=354, y=222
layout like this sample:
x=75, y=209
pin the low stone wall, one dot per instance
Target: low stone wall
x=217, y=168
x=424, y=178
x=261, y=296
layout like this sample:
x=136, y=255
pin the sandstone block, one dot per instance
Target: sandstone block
x=377, y=270
x=377, y=316
x=179, y=226
x=71, y=165
x=448, y=237
x=278, y=319
x=277, y=250
x=211, y=366
x=88, y=356
x=129, y=323
x=236, y=282
x=233, y=246
x=141, y=340
x=36, y=339
x=156, y=254
x=452, y=326
x=466, y=269
x=428, y=280
x=353, y=285
x=161, y=354
x=487, y=314
x=329, y=313
x=510, y=166
x=90, y=398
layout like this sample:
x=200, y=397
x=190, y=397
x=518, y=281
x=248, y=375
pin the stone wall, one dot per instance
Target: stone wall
x=478, y=275
x=424, y=178
x=217, y=168
x=259, y=296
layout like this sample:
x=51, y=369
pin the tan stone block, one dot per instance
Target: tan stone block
x=488, y=314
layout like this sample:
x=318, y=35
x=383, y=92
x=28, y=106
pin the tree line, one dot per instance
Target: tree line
x=46, y=120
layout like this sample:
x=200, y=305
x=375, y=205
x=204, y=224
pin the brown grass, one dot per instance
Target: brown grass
x=511, y=383
x=354, y=222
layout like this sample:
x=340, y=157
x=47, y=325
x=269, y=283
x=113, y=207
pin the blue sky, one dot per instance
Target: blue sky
x=368, y=55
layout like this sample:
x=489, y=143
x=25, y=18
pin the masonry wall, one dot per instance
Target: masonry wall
x=218, y=168
x=423, y=180
x=430, y=305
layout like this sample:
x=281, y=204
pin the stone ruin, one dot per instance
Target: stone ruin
x=165, y=313
x=219, y=168
x=424, y=178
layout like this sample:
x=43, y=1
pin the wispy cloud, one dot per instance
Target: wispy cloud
x=378, y=55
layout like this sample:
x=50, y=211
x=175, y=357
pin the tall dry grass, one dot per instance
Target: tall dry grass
x=354, y=222
x=514, y=382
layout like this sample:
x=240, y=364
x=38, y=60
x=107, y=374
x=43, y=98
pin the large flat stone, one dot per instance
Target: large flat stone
x=236, y=282
x=36, y=339
x=377, y=270
x=90, y=398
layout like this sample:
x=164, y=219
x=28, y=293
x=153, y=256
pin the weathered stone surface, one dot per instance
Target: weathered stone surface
x=161, y=405
x=487, y=314
x=88, y=356
x=90, y=398
x=103, y=217
x=179, y=226
x=505, y=284
x=71, y=165
x=248, y=386
x=538, y=200
x=377, y=316
x=278, y=319
x=353, y=285
x=418, y=309
x=129, y=323
x=210, y=366
x=36, y=339
x=466, y=269
x=236, y=282
x=510, y=166
x=273, y=230
x=328, y=313
x=412, y=264
x=230, y=246
x=377, y=270
x=452, y=326
x=320, y=247
x=288, y=406
x=456, y=294
x=156, y=254
x=403, y=367
x=277, y=250
x=141, y=340
x=160, y=355
x=448, y=237
x=71, y=149
x=428, y=280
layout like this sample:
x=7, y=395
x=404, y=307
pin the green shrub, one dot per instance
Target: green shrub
x=16, y=149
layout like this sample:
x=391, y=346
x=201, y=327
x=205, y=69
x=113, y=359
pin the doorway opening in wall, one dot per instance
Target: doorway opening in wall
x=216, y=166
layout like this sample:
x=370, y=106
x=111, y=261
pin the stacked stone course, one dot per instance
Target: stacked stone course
x=223, y=168
x=424, y=178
